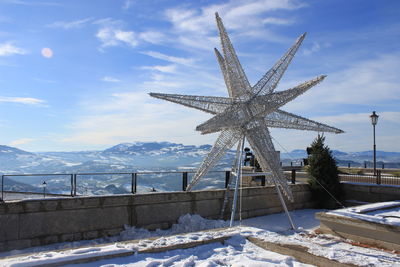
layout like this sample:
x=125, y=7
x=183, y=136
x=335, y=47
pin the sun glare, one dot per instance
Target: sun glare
x=47, y=52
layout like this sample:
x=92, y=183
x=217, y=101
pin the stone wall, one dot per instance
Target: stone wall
x=371, y=192
x=39, y=222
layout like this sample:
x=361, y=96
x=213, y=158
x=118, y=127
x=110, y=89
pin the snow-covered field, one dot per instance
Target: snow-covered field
x=236, y=250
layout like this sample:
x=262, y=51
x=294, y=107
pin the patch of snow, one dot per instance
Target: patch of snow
x=235, y=251
x=382, y=212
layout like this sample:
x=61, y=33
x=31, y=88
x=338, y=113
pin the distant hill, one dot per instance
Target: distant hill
x=137, y=157
x=148, y=155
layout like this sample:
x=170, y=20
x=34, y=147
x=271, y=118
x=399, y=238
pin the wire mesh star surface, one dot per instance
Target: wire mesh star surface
x=249, y=111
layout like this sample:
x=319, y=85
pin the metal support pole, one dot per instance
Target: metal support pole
x=135, y=185
x=284, y=206
x=294, y=176
x=184, y=181
x=238, y=177
x=374, y=152
x=227, y=178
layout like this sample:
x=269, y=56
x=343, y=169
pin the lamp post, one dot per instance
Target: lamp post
x=374, y=121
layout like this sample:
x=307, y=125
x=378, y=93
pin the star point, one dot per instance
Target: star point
x=249, y=111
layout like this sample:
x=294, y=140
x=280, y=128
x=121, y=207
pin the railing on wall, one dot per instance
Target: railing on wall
x=73, y=182
x=378, y=179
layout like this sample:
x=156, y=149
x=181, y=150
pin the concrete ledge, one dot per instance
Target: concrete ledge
x=371, y=233
x=370, y=192
x=300, y=253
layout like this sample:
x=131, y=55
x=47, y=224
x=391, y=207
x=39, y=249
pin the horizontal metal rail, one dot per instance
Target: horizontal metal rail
x=73, y=178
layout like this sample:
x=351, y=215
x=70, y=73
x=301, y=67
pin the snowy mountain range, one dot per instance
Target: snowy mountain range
x=146, y=155
x=136, y=157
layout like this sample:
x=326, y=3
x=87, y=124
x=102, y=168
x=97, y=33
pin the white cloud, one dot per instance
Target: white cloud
x=314, y=48
x=110, y=79
x=21, y=141
x=172, y=59
x=371, y=82
x=8, y=49
x=70, y=24
x=135, y=116
x=167, y=68
x=110, y=36
x=152, y=37
x=128, y=4
x=22, y=100
x=277, y=21
x=238, y=15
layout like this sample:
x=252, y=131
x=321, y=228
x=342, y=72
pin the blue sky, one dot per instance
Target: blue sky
x=74, y=75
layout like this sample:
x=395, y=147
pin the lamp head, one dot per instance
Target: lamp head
x=374, y=118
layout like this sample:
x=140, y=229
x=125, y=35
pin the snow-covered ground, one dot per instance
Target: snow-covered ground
x=383, y=212
x=235, y=251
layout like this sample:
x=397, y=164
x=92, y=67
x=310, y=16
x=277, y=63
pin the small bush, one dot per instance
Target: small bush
x=324, y=174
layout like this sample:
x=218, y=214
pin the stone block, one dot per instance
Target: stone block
x=2, y=208
x=158, y=213
x=302, y=196
x=111, y=201
x=91, y=202
x=50, y=205
x=18, y=244
x=91, y=235
x=206, y=208
x=50, y=239
x=258, y=212
x=14, y=207
x=70, y=237
x=71, y=221
x=257, y=202
x=72, y=203
x=209, y=194
x=8, y=227
x=111, y=232
x=154, y=198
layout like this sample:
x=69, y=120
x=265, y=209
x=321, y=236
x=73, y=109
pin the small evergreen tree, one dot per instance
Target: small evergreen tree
x=324, y=174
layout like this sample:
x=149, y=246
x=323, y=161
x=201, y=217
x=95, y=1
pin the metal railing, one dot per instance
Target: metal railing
x=371, y=179
x=70, y=181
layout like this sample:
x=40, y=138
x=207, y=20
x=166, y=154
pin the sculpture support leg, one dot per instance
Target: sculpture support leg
x=238, y=177
x=284, y=207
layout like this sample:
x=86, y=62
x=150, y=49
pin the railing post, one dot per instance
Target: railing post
x=365, y=164
x=291, y=164
x=227, y=178
x=378, y=177
x=184, y=181
x=72, y=185
x=133, y=182
x=263, y=180
x=75, y=185
x=2, y=187
x=294, y=176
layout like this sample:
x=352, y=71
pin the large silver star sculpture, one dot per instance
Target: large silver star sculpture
x=249, y=111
